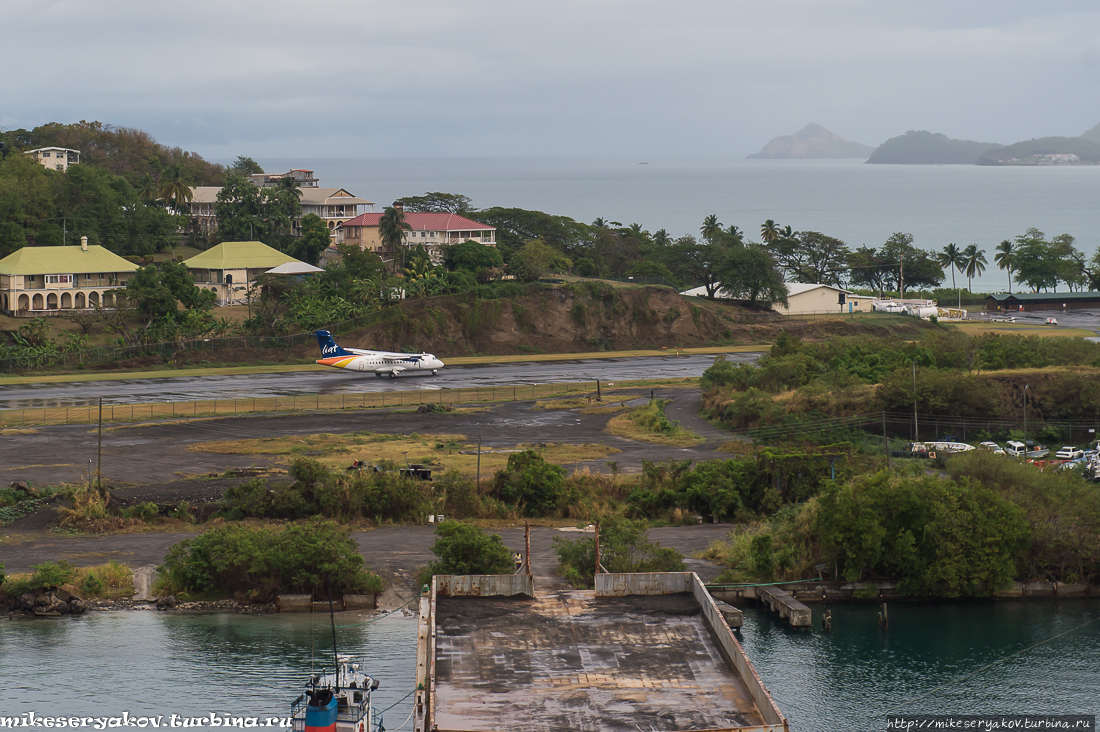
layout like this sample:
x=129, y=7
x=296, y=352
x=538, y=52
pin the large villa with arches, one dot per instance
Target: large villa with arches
x=48, y=280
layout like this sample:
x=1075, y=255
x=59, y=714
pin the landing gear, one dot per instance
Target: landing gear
x=393, y=375
x=378, y=376
x=435, y=371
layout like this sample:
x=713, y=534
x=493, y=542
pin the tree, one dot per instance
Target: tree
x=920, y=268
x=240, y=210
x=748, y=272
x=1037, y=263
x=157, y=290
x=517, y=226
x=1070, y=262
x=313, y=242
x=661, y=238
x=974, y=260
x=811, y=257
x=535, y=259
x=284, y=203
x=1006, y=259
x=466, y=549
x=391, y=229
x=439, y=203
x=472, y=256
x=699, y=262
x=245, y=166
x=952, y=257
x=147, y=188
x=711, y=230
x=869, y=268
x=174, y=189
x=769, y=232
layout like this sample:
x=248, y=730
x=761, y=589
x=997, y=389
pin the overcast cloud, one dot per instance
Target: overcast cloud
x=363, y=78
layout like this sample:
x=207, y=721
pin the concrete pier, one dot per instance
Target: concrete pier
x=788, y=608
x=642, y=651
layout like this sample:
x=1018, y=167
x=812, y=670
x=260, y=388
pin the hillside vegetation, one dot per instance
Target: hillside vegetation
x=927, y=148
x=1087, y=150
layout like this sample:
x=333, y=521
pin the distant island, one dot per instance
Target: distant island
x=811, y=142
x=928, y=148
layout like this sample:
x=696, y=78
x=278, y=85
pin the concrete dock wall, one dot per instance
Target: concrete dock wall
x=736, y=654
x=841, y=591
x=483, y=585
x=642, y=583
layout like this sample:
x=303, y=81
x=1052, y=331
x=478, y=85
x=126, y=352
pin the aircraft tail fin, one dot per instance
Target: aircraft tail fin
x=329, y=347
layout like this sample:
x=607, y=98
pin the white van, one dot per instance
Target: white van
x=1016, y=449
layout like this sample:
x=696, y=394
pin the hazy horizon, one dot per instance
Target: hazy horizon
x=489, y=78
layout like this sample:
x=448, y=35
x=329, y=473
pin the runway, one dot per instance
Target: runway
x=338, y=381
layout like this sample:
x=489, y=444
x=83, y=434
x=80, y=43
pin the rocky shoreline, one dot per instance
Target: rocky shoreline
x=61, y=602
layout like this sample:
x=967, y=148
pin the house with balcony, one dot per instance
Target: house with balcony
x=38, y=281
x=433, y=231
x=302, y=178
x=55, y=158
x=333, y=205
x=230, y=268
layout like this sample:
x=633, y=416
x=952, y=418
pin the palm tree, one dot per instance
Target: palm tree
x=769, y=231
x=952, y=257
x=391, y=229
x=711, y=228
x=661, y=238
x=289, y=196
x=600, y=222
x=1006, y=259
x=147, y=188
x=974, y=261
x=173, y=189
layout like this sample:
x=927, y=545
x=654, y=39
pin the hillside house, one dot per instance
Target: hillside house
x=55, y=158
x=231, y=267
x=52, y=280
x=333, y=205
x=429, y=230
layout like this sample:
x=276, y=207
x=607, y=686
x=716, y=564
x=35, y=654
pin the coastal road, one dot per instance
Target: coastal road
x=338, y=381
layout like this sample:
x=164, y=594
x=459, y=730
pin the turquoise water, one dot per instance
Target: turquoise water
x=858, y=203
x=935, y=658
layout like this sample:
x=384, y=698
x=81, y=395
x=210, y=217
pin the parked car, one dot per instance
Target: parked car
x=992, y=447
x=1069, y=453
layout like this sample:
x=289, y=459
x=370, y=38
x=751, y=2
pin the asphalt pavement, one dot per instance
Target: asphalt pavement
x=339, y=381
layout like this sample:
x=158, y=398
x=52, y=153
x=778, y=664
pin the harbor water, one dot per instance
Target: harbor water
x=1004, y=657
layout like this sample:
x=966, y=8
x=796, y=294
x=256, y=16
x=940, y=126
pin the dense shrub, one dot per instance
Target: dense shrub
x=936, y=537
x=260, y=562
x=466, y=549
x=624, y=547
x=530, y=484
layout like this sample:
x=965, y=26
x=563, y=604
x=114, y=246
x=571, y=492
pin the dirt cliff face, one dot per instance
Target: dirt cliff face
x=580, y=319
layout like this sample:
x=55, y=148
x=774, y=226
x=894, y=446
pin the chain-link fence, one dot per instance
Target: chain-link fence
x=114, y=413
x=109, y=354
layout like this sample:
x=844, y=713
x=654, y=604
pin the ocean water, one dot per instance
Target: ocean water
x=858, y=203
x=1006, y=657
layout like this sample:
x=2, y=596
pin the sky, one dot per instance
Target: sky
x=435, y=78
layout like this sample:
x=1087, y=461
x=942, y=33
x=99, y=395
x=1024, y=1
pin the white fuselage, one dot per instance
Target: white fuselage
x=383, y=363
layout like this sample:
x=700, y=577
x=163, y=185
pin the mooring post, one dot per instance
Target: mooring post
x=527, y=544
x=883, y=619
x=827, y=621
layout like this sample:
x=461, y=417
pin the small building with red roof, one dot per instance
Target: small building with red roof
x=429, y=230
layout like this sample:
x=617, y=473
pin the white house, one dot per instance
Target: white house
x=55, y=158
x=807, y=299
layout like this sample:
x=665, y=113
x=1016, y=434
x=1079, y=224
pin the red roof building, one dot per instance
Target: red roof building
x=429, y=230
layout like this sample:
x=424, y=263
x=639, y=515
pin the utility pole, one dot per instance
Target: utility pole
x=1025, y=419
x=901, y=278
x=916, y=425
x=479, y=462
x=99, y=457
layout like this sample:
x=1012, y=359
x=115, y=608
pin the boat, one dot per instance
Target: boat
x=952, y=447
x=335, y=702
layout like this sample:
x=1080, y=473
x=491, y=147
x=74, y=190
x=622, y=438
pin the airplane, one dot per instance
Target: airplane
x=380, y=363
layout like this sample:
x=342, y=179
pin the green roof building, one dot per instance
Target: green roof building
x=231, y=266
x=51, y=280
